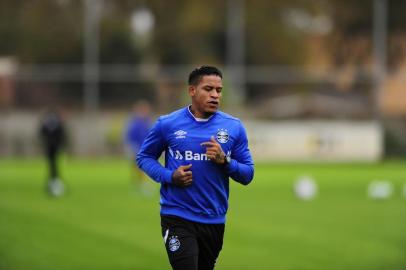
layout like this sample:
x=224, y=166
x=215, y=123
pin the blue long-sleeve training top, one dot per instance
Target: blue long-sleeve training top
x=180, y=135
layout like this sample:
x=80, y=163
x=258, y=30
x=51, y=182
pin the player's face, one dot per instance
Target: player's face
x=206, y=96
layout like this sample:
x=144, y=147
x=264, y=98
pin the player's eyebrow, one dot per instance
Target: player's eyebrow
x=211, y=86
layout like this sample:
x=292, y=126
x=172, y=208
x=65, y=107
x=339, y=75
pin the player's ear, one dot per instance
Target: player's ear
x=192, y=90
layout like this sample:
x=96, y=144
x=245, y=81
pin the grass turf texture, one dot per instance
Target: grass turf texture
x=102, y=223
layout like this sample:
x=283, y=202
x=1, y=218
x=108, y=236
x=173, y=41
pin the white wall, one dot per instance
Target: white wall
x=279, y=141
x=315, y=140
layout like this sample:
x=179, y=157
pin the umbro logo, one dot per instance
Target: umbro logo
x=180, y=134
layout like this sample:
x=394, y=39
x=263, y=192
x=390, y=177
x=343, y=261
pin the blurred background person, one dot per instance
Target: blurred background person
x=53, y=138
x=136, y=130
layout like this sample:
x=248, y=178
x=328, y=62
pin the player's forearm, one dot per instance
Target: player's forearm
x=240, y=172
x=154, y=169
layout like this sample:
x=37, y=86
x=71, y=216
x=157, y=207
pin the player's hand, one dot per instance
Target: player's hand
x=182, y=177
x=214, y=151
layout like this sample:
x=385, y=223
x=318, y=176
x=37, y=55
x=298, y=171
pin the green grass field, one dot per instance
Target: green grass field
x=102, y=223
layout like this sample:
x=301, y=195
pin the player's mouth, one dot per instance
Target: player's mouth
x=213, y=104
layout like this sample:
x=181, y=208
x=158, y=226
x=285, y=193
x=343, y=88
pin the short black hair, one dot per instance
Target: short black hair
x=196, y=75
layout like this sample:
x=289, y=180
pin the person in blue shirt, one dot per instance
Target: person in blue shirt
x=204, y=147
x=136, y=131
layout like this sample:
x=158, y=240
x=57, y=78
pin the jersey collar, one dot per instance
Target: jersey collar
x=200, y=120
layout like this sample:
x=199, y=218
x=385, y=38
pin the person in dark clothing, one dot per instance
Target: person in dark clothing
x=52, y=133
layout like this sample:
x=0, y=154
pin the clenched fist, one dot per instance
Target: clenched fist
x=183, y=177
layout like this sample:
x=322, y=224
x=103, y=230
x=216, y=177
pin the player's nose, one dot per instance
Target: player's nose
x=214, y=94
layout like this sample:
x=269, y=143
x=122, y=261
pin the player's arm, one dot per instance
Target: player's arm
x=151, y=149
x=241, y=166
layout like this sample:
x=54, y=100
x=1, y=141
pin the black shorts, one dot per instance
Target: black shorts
x=191, y=245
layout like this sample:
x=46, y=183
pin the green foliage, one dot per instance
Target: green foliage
x=189, y=31
x=267, y=32
x=103, y=224
x=186, y=32
x=41, y=31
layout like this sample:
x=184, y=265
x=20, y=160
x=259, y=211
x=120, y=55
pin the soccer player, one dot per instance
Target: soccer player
x=52, y=134
x=203, y=148
x=137, y=129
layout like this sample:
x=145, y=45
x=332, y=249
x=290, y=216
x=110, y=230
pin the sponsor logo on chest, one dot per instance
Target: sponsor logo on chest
x=190, y=155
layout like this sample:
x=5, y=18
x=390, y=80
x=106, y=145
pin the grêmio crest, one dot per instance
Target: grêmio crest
x=222, y=135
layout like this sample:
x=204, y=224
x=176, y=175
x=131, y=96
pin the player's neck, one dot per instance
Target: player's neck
x=198, y=114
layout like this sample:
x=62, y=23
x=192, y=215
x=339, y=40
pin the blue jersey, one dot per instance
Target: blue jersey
x=180, y=135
